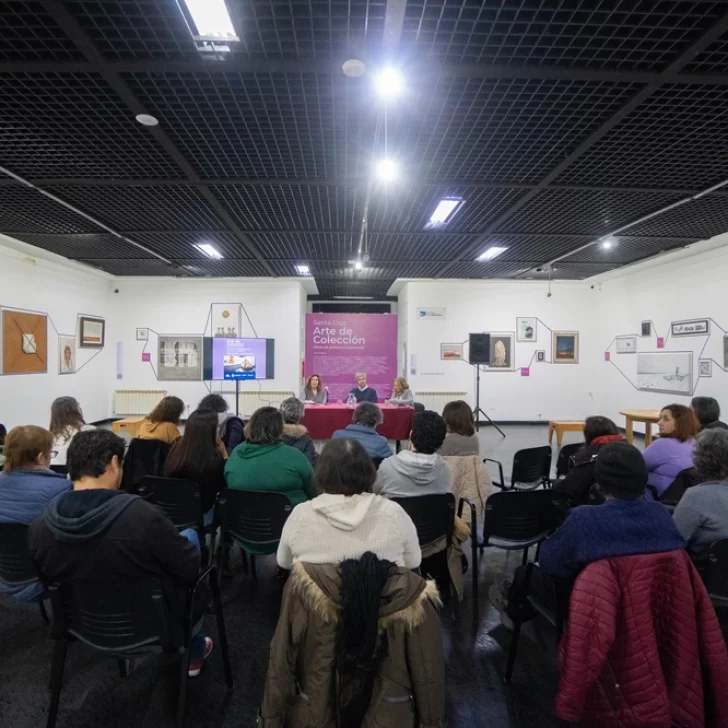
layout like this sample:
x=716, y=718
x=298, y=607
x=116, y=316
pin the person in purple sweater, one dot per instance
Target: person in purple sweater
x=673, y=452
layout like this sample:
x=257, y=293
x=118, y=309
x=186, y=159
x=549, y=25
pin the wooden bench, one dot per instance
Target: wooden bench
x=562, y=426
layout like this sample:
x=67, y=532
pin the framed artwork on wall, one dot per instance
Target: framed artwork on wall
x=25, y=342
x=66, y=354
x=647, y=328
x=502, y=352
x=565, y=347
x=142, y=334
x=91, y=332
x=693, y=327
x=540, y=356
x=626, y=345
x=706, y=368
x=179, y=358
x=526, y=329
x=451, y=352
x=226, y=320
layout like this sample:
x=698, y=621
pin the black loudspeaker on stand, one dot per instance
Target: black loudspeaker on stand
x=480, y=354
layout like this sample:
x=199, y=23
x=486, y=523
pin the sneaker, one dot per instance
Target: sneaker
x=498, y=595
x=196, y=667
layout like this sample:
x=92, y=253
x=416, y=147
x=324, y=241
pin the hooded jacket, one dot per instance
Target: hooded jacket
x=412, y=473
x=332, y=528
x=297, y=436
x=95, y=535
x=165, y=431
x=643, y=647
x=409, y=688
x=375, y=444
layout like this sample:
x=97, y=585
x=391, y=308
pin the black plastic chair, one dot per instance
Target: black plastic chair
x=126, y=619
x=434, y=518
x=250, y=517
x=418, y=407
x=515, y=521
x=716, y=573
x=676, y=490
x=565, y=460
x=60, y=469
x=531, y=469
x=178, y=498
x=144, y=457
x=16, y=565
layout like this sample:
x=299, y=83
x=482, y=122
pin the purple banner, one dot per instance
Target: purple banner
x=338, y=345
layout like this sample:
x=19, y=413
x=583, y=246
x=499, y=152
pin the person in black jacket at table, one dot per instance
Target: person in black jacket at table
x=363, y=392
x=598, y=431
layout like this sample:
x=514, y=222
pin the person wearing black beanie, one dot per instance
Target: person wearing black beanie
x=626, y=524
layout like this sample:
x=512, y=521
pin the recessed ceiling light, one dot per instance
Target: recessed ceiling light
x=389, y=83
x=608, y=243
x=147, y=119
x=358, y=265
x=303, y=270
x=387, y=170
x=354, y=298
x=353, y=68
x=493, y=252
x=444, y=210
x=209, y=250
x=211, y=19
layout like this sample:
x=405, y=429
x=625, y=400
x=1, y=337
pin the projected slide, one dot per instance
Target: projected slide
x=239, y=359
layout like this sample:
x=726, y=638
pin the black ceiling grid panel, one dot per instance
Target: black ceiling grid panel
x=554, y=123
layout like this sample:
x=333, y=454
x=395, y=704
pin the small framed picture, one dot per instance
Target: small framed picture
x=142, y=334
x=693, y=327
x=91, y=332
x=451, y=352
x=66, y=354
x=502, y=352
x=626, y=345
x=706, y=368
x=526, y=328
x=647, y=328
x=540, y=356
x=565, y=347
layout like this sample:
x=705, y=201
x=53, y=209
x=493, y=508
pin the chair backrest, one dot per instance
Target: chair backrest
x=716, y=574
x=60, y=469
x=119, y=615
x=256, y=517
x=565, y=461
x=676, y=490
x=16, y=564
x=418, y=407
x=377, y=462
x=525, y=515
x=531, y=466
x=144, y=457
x=433, y=516
x=178, y=498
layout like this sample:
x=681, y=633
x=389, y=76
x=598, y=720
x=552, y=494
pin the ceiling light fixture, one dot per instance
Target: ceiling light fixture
x=389, y=83
x=353, y=68
x=444, y=210
x=608, y=244
x=147, y=120
x=303, y=270
x=354, y=298
x=358, y=265
x=211, y=19
x=387, y=170
x=209, y=250
x=493, y=252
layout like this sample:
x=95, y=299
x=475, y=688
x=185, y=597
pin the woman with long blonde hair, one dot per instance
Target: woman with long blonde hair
x=401, y=392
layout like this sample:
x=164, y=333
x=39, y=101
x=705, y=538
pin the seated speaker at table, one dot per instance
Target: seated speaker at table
x=314, y=390
x=363, y=392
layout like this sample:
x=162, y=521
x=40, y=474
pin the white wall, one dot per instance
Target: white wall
x=48, y=284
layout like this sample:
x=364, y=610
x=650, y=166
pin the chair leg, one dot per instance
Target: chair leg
x=124, y=667
x=182, y=696
x=43, y=612
x=215, y=586
x=524, y=561
x=512, y=652
x=245, y=562
x=253, y=572
x=455, y=602
x=59, y=661
x=474, y=567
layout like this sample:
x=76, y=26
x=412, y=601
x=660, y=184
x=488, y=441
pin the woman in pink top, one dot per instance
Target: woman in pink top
x=673, y=452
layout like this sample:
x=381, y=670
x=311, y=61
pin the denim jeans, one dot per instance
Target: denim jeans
x=197, y=645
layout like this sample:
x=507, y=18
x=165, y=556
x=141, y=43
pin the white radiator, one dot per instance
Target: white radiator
x=136, y=401
x=248, y=402
x=437, y=400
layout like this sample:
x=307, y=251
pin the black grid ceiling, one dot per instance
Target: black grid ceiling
x=258, y=154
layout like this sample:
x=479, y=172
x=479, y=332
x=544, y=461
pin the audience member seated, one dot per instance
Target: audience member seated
x=419, y=470
x=461, y=438
x=95, y=533
x=367, y=417
x=231, y=426
x=673, y=452
x=264, y=462
x=347, y=519
x=314, y=391
x=162, y=423
x=624, y=525
x=66, y=421
x=701, y=515
x=579, y=483
x=27, y=485
x=357, y=644
x=707, y=411
x=3, y=435
x=401, y=393
x=199, y=455
x=363, y=392
x=294, y=433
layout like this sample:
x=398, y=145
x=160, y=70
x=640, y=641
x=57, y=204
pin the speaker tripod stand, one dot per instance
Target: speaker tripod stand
x=478, y=410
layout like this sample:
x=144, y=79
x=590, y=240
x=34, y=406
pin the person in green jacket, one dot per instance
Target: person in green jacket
x=264, y=462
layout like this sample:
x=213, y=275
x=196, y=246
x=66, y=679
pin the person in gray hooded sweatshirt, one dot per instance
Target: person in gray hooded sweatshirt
x=419, y=470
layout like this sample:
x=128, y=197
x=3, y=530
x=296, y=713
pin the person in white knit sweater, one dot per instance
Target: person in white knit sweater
x=347, y=519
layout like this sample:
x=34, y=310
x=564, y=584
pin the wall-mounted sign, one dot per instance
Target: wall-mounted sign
x=694, y=327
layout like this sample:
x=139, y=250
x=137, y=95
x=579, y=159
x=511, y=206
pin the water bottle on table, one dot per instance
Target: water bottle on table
x=351, y=400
